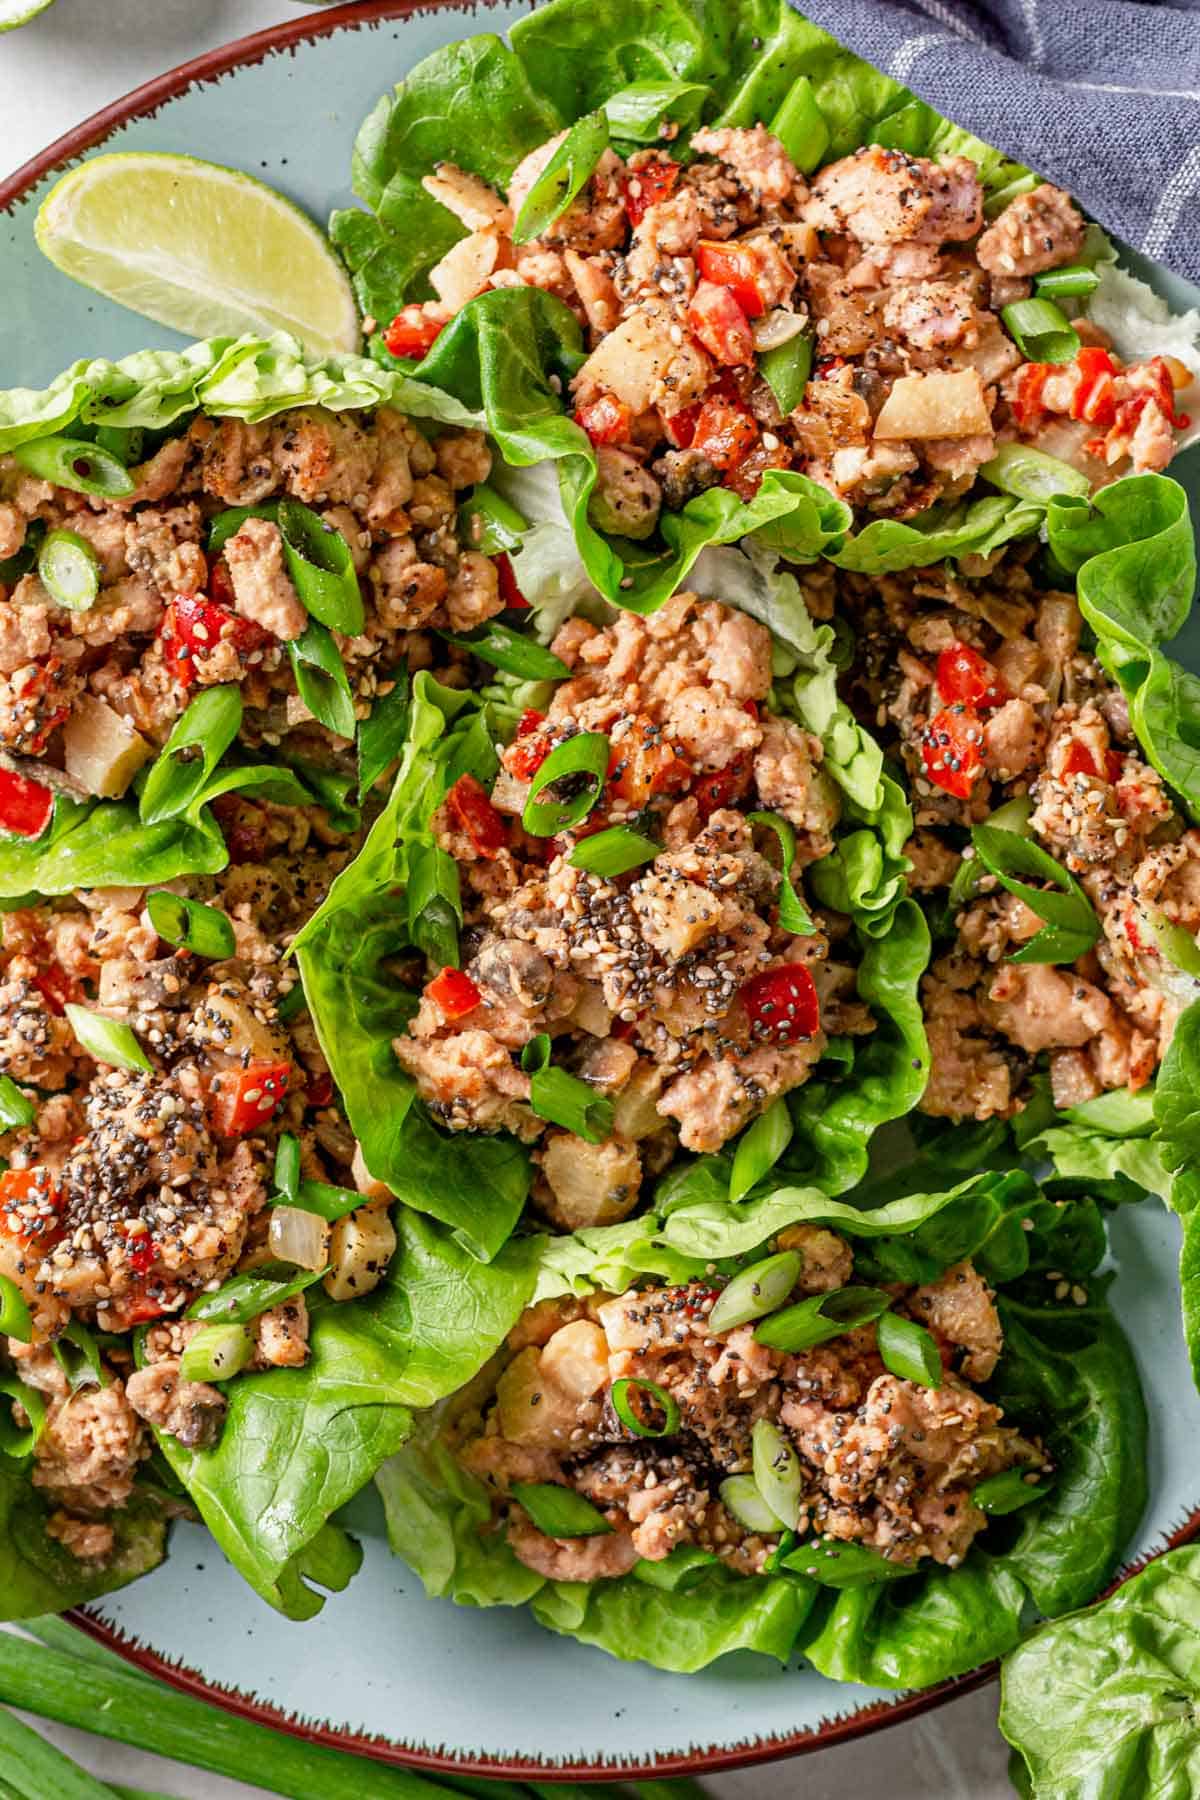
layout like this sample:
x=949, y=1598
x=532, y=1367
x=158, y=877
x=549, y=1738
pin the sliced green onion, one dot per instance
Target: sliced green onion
x=84, y=1368
x=1014, y=815
x=328, y=1202
x=382, y=734
x=321, y=566
x=108, y=1040
x=199, y=739
x=760, y=1147
x=566, y=173
x=585, y=756
x=777, y=1472
x=69, y=569
x=756, y=1291
x=1172, y=941
x=908, y=1350
x=824, y=1316
x=1041, y=331
x=786, y=370
x=838, y=1565
x=1074, y=281
x=774, y=1562
x=287, y=1167
x=686, y=1565
x=801, y=126
x=560, y=1512
x=621, y=1394
x=487, y=522
x=564, y=1099
x=191, y=924
x=15, y=1320
x=125, y=442
x=1008, y=1492
x=513, y=651
x=740, y=1496
x=1032, y=474
x=294, y=1002
x=908, y=128
x=613, y=852
x=73, y=463
x=217, y=1353
x=638, y=113
x=321, y=679
x=246, y=1297
x=16, y=1109
x=1071, y=924
x=793, y=914
x=14, y=1440
x=13, y=567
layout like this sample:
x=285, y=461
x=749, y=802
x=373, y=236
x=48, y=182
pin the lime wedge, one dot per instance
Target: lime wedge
x=199, y=247
x=19, y=12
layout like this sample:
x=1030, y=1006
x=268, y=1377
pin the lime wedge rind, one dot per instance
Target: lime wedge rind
x=202, y=248
x=19, y=12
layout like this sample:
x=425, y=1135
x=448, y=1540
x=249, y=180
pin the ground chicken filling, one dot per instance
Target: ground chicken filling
x=886, y=1463
x=91, y=694
x=981, y=680
x=133, y=1192
x=672, y=989
x=883, y=272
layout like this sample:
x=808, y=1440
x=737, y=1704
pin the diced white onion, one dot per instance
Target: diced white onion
x=299, y=1237
x=777, y=327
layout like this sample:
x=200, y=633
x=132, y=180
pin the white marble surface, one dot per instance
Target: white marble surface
x=72, y=60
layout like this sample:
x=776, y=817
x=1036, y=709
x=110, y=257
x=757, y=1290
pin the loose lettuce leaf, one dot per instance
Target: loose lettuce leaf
x=298, y=1443
x=970, y=528
x=1104, y=1705
x=38, y=1575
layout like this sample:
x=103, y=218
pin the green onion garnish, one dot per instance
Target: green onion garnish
x=108, y=1040
x=1071, y=924
x=487, y=522
x=562, y=1098
x=322, y=569
x=756, y=1291
x=217, y=1353
x=16, y=1109
x=1074, y=281
x=585, y=756
x=760, y=1147
x=793, y=914
x=73, y=463
x=786, y=370
x=567, y=171
x=321, y=679
x=777, y=1472
x=1172, y=941
x=328, y=1202
x=1033, y=474
x=908, y=1350
x=15, y=1321
x=637, y=113
x=15, y=1441
x=560, y=1512
x=199, y=739
x=681, y=1569
x=822, y=1317
x=840, y=1565
x=513, y=651
x=613, y=852
x=246, y=1297
x=69, y=569
x=191, y=924
x=1041, y=331
x=740, y=1496
x=622, y=1395
x=287, y=1167
x=801, y=126
x=294, y=1002
x=78, y=1356
x=1008, y=1492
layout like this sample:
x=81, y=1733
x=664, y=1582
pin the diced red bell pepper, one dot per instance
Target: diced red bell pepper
x=142, y=1304
x=644, y=764
x=453, y=993
x=606, y=419
x=529, y=749
x=30, y=1205
x=680, y=426
x=143, y=1255
x=219, y=586
x=242, y=1100
x=506, y=577
x=646, y=186
x=952, y=750
x=1094, y=398
x=1027, y=400
x=319, y=1091
x=963, y=675
x=737, y=267
x=782, y=1004
x=723, y=787
x=57, y=988
x=25, y=806
x=194, y=625
x=725, y=433
x=718, y=322
x=413, y=331
x=473, y=812
x=1080, y=760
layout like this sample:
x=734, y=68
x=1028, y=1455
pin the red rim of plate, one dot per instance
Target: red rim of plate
x=143, y=102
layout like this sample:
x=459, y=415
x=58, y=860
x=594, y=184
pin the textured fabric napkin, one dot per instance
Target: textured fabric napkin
x=1101, y=96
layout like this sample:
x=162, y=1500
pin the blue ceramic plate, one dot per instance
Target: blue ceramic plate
x=383, y=1669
